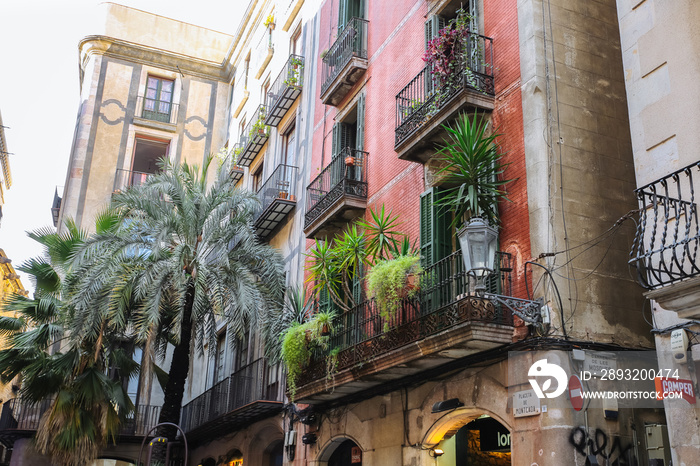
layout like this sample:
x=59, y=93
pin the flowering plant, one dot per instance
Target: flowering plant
x=446, y=52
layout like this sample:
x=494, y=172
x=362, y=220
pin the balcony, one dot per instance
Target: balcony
x=20, y=420
x=337, y=195
x=345, y=62
x=126, y=178
x=665, y=249
x=285, y=90
x=161, y=111
x=235, y=402
x=278, y=197
x=445, y=322
x=236, y=174
x=254, y=137
x=423, y=106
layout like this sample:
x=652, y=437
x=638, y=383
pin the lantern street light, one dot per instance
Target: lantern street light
x=478, y=241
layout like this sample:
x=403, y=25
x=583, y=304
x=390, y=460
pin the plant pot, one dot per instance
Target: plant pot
x=325, y=331
x=261, y=131
x=350, y=161
x=283, y=195
x=292, y=197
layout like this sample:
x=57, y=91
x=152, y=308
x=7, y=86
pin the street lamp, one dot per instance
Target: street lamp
x=478, y=241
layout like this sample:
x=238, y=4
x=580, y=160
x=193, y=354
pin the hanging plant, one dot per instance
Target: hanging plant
x=388, y=283
x=446, y=54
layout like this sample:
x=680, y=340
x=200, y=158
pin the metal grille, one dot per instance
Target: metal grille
x=156, y=110
x=337, y=180
x=351, y=42
x=422, y=98
x=285, y=89
x=123, y=179
x=665, y=247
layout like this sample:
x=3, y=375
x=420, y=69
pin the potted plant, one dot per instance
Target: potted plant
x=295, y=353
x=350, y=160
x=473, y=169
x=295, y=62
x=270, y=21
x=388, y=283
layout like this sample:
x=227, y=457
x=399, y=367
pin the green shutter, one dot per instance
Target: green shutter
x=335, y=141
x=357, y=285
x=432, y=28
x=324, y=300
x=360, y=136
x=435, y=232
x=426, y=228
x=342, y=15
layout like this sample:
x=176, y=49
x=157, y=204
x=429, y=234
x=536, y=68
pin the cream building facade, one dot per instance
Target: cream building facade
x=663, y=97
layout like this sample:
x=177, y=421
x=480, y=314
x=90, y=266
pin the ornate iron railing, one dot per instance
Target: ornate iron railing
x=254, y=136
x=446, y=299
x=285, y=89
x=156, y=110
x=426, y=94
x=249, y=384
x=351, y=42
x=346, y=175
x=665, y=248
x=19, y=416
x=282, y=184
x=126, y=178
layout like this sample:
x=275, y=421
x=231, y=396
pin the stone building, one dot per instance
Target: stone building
x=662, y=99
x=331, y=112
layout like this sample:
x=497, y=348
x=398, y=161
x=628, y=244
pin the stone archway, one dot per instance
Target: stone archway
x=470, y=436
x=339, y=451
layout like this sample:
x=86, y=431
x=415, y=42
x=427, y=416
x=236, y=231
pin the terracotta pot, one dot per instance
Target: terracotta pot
x=325, y=331
x=283, y=195
x=350, y=161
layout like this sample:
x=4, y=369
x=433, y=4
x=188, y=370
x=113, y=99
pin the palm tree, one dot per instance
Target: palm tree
x=187, y=257
x=84, y=405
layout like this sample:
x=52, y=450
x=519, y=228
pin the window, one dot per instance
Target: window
x=242, y=351
x=256, y=179
x=219, y=358
x=147, y=156
x=157, y=103
x=349, y=133
x=289, y=156
x=435, y=231
x=294, y=43
x=349, y=9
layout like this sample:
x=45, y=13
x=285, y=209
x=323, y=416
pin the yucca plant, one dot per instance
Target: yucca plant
x=473, y=170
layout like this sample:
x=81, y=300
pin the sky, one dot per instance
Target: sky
x=39, y=98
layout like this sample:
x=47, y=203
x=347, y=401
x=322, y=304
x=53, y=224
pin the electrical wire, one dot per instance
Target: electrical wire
x=556, y=289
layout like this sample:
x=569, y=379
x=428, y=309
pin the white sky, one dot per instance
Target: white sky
x=39, y=97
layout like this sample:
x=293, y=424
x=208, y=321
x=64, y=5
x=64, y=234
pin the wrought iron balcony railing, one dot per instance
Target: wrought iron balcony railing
x=126, y=178
x=18, y=416
x=428, y=93
x=446, y=299
x=285, y=90
x=254, y=136
x=156, y=110
x=243, y=387
x=278, y=197
x=351, y=42
x=346, y=175
x=665, y=248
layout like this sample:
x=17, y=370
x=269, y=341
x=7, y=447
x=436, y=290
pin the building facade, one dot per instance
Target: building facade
x=331, y=113
x=661, y=98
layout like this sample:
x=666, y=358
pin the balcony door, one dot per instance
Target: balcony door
x=148, y=154
x=157, y=103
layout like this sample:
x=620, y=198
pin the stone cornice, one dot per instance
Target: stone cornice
x=137, y=53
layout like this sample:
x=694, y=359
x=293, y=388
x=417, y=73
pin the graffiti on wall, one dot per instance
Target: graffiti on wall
x=613, y=452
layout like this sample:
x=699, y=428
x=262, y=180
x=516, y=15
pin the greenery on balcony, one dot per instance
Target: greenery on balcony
x=457, y=59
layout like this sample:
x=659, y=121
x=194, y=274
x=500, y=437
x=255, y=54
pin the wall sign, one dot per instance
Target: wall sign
x=356, y=455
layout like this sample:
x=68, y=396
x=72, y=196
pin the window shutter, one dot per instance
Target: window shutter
x=360, y=137
x=432, y=28
x=324, y=300
x=342, y=15
x=347, y=136
x=335, y=143
x=435, y=232
x=357, y=285
x=426, y=228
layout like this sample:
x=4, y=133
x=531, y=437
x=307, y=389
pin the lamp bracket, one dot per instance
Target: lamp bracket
x=527, y=310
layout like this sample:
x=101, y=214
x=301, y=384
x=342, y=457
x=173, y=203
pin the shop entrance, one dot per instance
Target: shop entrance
x=483, y=441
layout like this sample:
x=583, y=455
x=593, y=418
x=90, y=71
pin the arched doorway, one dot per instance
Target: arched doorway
x=483, y=440
x=348, y=453
x=274, y=454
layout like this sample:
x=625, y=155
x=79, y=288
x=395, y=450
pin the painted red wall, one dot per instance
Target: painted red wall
x=395, y=46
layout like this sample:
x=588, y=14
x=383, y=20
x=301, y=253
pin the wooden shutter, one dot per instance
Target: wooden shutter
x=342, y=15
x=435, y=232
x=360, y=136
x=335, y=142
x=357, y=285
x=432, y=28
